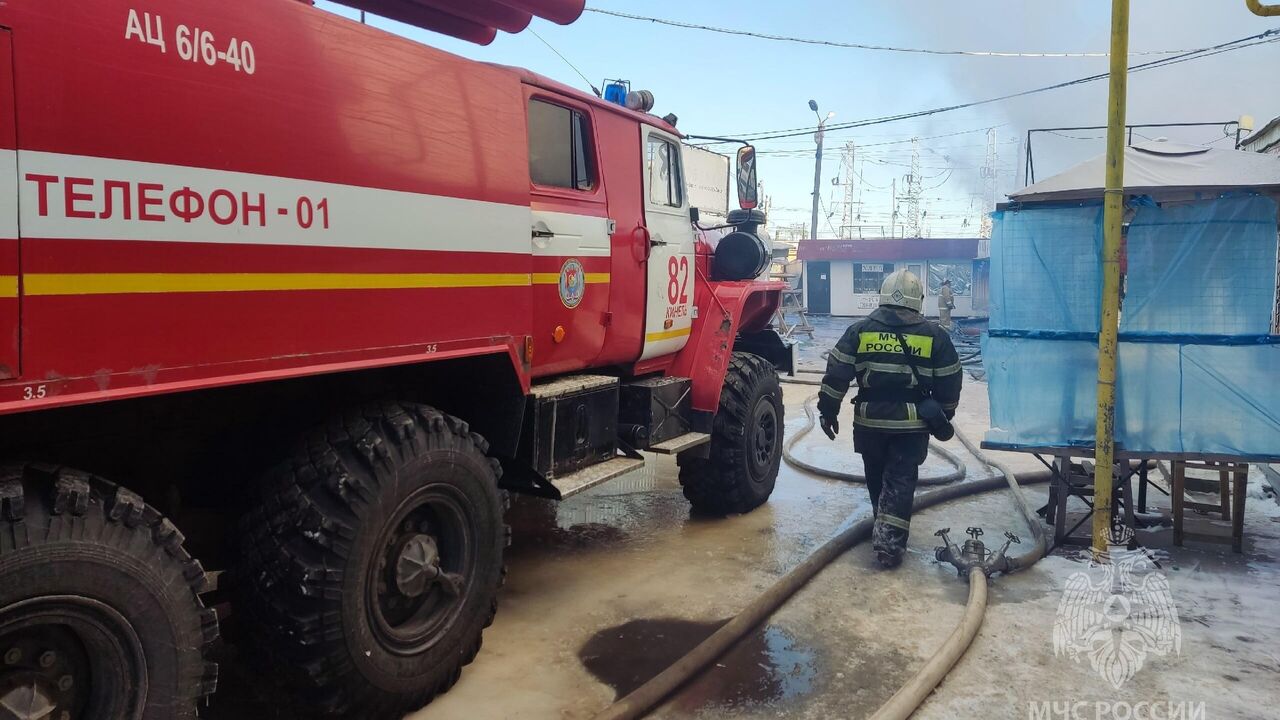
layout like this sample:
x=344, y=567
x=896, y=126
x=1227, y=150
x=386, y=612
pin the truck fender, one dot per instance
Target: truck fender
x=724, y=310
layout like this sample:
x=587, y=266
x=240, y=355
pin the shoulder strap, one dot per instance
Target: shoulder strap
x=911, y=361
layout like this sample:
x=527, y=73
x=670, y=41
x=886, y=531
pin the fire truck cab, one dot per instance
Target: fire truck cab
x=289, y=305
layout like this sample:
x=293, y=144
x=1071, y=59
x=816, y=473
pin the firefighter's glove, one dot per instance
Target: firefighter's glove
x=830, y=426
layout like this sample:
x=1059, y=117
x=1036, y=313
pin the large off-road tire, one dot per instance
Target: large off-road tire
x=100, y=612
x=746, y=442
x=336, y=583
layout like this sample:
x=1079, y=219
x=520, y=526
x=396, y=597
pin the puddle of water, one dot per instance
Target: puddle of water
x=766, y=667
x=591, y=522
x=636, y=508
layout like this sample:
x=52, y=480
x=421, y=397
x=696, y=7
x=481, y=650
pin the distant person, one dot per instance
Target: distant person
x=946, y=303
x=909, y=380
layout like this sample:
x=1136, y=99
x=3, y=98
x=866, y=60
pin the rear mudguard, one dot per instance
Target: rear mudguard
x=725, y=310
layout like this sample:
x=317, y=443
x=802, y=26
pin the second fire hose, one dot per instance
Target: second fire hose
x=643, y=699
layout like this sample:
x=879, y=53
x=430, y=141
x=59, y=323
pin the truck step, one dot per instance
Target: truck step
x=571, y=385
x=593, y=475
x=680, y=443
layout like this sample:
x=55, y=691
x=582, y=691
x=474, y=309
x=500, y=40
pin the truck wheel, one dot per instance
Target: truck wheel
x=372, y=562
x=746, y=442
x=100, y=613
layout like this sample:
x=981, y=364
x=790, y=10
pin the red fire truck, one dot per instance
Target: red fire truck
x=304, y=300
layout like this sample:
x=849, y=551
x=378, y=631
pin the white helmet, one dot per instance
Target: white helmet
x=902, y=288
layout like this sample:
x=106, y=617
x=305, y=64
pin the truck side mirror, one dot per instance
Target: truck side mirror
x=748, y=193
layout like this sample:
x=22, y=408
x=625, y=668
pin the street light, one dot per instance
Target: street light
x=817, y=165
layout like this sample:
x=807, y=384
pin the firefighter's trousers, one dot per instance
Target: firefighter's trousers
x=892, y=462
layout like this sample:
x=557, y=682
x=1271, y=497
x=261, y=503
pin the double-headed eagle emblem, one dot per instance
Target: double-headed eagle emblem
x=1120, y=619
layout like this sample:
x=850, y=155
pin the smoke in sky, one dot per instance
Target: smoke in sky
x=1219, y=88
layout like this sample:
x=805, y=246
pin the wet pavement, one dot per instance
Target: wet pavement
x=767, y=667
x=607, y=588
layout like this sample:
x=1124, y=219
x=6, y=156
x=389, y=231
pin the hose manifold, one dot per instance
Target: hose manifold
x=974, y=553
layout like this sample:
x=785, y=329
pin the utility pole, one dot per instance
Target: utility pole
x=988, y=184
x=817, y=183
x=893, y=209
x=913, y=191
x=848, y=171
x=817, y=166
x=1017, y=178
x=1112, y=220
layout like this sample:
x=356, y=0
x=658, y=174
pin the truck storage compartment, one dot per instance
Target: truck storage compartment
x=654, y=410
x=570, y=423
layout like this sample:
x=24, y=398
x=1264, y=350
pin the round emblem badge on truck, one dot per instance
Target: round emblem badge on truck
x=573, y=283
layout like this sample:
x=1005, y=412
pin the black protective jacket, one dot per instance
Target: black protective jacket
x=871, y=353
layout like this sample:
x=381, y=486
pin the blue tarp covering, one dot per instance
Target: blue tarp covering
x=1045, y=269
x=1199, y=371
x=1204, y=268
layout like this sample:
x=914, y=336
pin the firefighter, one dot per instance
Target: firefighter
x=946, y=303
x=909, y=380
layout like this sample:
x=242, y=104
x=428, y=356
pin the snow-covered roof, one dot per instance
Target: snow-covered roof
x=1161, y=168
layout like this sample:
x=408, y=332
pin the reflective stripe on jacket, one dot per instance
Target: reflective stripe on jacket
x=871, y=353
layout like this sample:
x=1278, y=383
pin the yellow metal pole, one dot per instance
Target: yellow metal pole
x=1257, y=8
x=1112, y=219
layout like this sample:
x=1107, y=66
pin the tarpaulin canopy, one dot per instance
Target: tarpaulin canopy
x=477, y=21
x=1159, y=167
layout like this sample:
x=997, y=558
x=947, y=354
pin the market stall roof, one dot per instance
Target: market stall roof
x=1161, y=167
x=477, y=21
x=889, y=249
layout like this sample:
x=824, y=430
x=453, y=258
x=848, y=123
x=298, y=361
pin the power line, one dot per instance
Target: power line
x=946, y=150
x=904, y=134
x=950, y=154
x=907, y=141
x=1207, y=52
x=827, y=216
x=864, y=46
x=1193, y=55
x=864, y=181
x=1238, y=44
x=1075, y=137
x=949, y=173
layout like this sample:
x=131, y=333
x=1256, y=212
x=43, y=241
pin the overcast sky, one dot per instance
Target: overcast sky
x=719, y=84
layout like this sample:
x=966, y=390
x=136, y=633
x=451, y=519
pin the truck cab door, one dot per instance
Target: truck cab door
x=9, y=315
x=670, y=273
x=570, y=234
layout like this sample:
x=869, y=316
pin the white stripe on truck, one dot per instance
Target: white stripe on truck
x=187, y=204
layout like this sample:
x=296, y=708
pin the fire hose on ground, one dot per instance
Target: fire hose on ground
x=809, y=407
x=913, y=694
x=903, y=703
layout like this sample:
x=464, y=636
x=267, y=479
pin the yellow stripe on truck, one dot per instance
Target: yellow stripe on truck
x=554, y=278
x=667, y=334
x=125, y=283
x=8, y=286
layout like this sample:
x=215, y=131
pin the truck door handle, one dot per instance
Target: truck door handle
x=654, y=242
x=542, y=231
x=640, y=247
